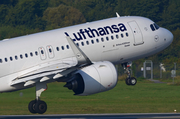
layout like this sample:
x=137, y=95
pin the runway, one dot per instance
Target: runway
x=96, y=116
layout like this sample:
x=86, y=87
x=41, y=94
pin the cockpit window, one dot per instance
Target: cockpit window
x=152, y=27
x=156, y=26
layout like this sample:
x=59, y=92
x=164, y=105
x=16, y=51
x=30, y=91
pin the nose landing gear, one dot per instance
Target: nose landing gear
x=129, y=80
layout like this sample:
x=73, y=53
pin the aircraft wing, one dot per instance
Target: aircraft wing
x=54, y=70
x=46, y=72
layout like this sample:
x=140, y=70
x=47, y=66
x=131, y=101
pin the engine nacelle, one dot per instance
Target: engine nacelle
x=98, y=77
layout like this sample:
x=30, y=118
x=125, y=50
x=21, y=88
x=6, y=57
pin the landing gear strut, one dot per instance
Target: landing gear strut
x=37, y=105
x=129, y=80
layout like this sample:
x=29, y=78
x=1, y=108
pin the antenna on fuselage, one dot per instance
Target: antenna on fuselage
x=117, y=14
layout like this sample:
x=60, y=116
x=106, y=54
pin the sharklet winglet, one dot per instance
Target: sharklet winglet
x=80, y=55
x=117, y=15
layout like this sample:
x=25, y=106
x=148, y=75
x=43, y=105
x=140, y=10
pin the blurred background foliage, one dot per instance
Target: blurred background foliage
x=21, y=17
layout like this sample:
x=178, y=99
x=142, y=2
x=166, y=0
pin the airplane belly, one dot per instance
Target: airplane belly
x=110, y=55
x=5, y=84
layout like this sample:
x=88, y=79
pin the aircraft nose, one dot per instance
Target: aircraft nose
x=169, y=36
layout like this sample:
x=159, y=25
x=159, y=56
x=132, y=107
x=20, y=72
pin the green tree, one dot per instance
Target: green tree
x=3, y=12
x=62, y=16
x=9, y=2
x=171, y=15
x=27, y=13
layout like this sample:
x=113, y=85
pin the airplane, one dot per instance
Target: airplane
x=83, y=56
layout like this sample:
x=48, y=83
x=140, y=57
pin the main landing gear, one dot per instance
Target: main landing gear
x=129, y=80
x=37, y=105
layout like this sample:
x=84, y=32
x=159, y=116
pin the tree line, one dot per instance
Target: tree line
x=21, y=17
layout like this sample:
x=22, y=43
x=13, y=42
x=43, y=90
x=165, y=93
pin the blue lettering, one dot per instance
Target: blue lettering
x=68, y=35
x=122, y=27
x=106, y=29
x=77, y=38
x=82, y=32
x=116, y=30
x=87, y=31
x=93, y=30
x=101, y=31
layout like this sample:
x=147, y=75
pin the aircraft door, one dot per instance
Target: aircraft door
x=42, y=53
x=138, y=38
x=50, y=51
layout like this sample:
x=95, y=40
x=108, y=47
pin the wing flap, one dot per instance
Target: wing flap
x=48, y=70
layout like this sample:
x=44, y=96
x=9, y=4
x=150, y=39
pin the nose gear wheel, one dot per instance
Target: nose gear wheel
x=129, y=80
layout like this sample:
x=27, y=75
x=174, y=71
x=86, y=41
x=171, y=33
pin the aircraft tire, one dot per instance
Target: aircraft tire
x=133, y=81
x=31, y=106
x=127, y=81
x=40, y=107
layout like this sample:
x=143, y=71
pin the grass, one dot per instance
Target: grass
x=145, y=97
x=170, y=81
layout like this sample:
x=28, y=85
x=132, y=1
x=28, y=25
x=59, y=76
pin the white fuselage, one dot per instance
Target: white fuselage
x=129, y=38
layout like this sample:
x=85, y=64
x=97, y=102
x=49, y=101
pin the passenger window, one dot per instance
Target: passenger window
x=117, y=36
x=122, y=35
x=97, y=40
x=36, y=53
x=62, y=47
x=87, y=42
x=112, y=37
x=16, y=57
x=82, y=43
x=0, y=60
x=11, y=58
x=77, y=44
x=107, y=38
x=21, y=56
x=42, y=52
x=57, y=48
x=92, y=41
x=152, y=27
x=31, y=54
x=50, y=50
x=6, y=59
x=26, y=55
x=102, y=39
x=67, y=46
x=127, y=34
